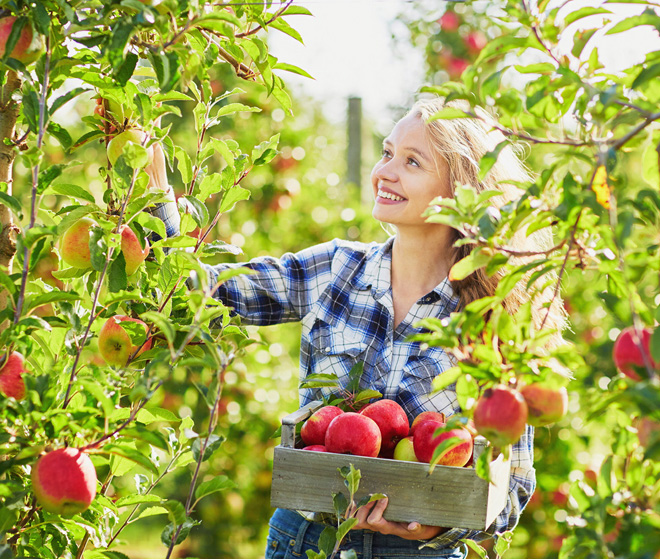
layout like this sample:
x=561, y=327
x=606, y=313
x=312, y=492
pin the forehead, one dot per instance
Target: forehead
x=410, y=128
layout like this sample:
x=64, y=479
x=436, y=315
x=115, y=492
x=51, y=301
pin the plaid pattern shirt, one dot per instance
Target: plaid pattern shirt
x=341, y=293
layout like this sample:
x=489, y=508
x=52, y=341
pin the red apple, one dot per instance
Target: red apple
x=425, y=442
x=404, y=450
x=500, y=415
x=627, y=353
x=133, y=252
x=115, y=344
x=64, y=481
x=424, y=416
x=391, y=420
x=316, y=448
x=475, y=41
x=352, y=433
x=117, y=144
x=449, y=21
x=456, y=67
x=313, y=430
x=12, y=384
x=29, y=46
x=74, y=246
x=648, y=430
x=545, y=404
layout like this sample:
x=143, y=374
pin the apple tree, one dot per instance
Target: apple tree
x=95, y=313
x=593, y=138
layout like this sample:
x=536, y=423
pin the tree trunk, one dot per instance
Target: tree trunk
x=8, y=230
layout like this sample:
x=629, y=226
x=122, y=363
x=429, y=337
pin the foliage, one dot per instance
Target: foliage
x=152, y=64
x=591, y=131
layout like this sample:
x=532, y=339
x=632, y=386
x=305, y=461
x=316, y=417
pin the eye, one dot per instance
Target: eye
x=386, y=153
x=413, y=161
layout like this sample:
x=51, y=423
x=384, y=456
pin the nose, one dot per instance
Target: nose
x=385, y=170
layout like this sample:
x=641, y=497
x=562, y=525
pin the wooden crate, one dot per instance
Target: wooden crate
x=450, y=496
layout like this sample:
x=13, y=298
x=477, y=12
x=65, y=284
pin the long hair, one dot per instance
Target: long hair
x=461, y=142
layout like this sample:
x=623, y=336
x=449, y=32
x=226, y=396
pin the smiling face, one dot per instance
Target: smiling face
x=408, y=177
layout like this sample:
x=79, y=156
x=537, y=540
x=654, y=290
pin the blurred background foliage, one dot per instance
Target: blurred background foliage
x=302, y=198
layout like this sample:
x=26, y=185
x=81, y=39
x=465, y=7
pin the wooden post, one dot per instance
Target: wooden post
x=354, y=155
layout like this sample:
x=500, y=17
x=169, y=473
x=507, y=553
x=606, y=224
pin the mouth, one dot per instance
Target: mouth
x=389, y=196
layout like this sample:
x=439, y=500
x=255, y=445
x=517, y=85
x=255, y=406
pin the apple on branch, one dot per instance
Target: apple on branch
x=545, y=404
x=29, y=46
x=627, y=354
x=142, y=155
x=500, y=415
x=313, y=430
x=74, y=246
x=64, y=481
x=352, y=433
x=392, y=422
x=132, y=250
x=12, y=384
x=115, y=344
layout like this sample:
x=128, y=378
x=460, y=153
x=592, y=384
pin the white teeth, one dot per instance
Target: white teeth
x=389, y=196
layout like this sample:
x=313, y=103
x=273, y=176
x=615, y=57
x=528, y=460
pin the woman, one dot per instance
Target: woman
x=360, y=302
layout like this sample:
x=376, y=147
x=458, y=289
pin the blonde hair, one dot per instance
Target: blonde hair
x=462, y=142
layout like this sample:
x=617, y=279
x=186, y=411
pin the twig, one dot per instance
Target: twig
x=277, y=15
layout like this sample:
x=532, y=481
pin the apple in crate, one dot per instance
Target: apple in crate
x=392, y=422
x=316, y=448
x=425, y=441
x=313, y=430
x=425, y=415
x=404, y=450
x=353, y=433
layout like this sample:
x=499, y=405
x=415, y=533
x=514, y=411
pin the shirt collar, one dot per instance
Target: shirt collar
x=376, y=275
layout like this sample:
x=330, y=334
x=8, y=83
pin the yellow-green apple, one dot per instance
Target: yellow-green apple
x=424, y=416
x=545, y=404
x=134, y=136
x=316, y=448
x=404, y=450
x=64, y=481
x=313, y=430
x=133, y=252
x=12, y=384
x=500, y=415
x=392, y=422
x=425, y=441
x=29, y=46
x=630, y=350
x=74, y=246
x=115, y=344
x=352, y=433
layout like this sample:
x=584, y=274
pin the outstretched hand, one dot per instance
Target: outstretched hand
x=370, y=517
x=157, y=170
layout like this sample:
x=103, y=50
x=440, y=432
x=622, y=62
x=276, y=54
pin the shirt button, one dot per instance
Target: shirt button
x=327, y=350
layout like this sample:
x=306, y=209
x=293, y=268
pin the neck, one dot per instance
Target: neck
x=421, y=258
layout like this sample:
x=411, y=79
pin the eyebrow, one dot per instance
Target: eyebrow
x=414, y=150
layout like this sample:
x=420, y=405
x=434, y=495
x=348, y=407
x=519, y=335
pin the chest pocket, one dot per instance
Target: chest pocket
x=334, y=350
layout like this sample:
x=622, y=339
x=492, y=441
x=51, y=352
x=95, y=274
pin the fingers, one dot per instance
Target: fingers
x=370, y=517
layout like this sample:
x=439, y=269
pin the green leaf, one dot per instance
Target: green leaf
x=327, y=540
x=449, y=113
x=352, y=479
x=185, y=165
x=70, y=190
x=197, y=210
x=51, y=297
x=582, y=13
x=479, y=551
x=367, y=395
x=444, y=447
x=345, y=527
x=446, y=378
x=654, y=345
x=131, y=454
x=489, y=159
x=503, y=543
x=291, y=68
x=482, y=466
x=646, y=74
x=233, y=195
x=162, y=322
x=466, y=266
x=213, y=442
x=132, y=500
x=232, y=108
x=218, y=483
x=12, y=203
x=284, y=27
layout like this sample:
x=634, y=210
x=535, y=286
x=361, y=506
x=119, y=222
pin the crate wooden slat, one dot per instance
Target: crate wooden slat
x=451, y=497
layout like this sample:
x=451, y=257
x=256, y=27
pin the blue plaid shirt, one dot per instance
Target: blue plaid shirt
x=341, y=293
